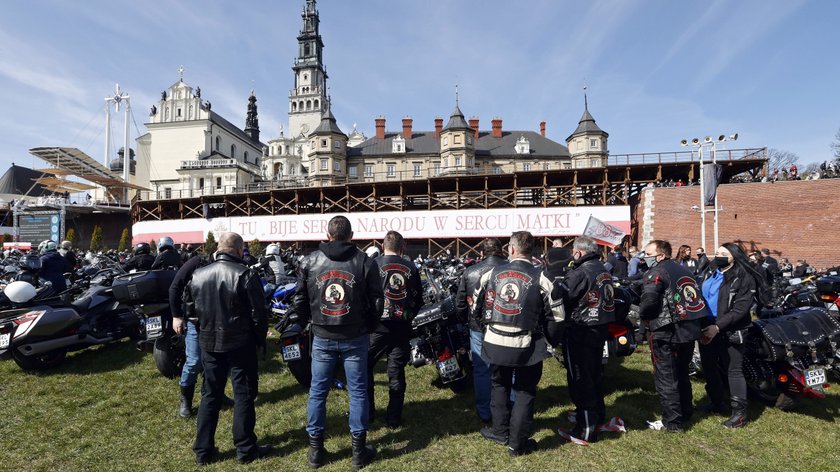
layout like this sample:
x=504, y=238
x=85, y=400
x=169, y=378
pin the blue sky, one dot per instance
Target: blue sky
x=657, y=71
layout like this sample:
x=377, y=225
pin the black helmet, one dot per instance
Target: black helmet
x=142, y=248
x=30, y=262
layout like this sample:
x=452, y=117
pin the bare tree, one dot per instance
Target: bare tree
x=781, y=159
x=812, y=168
x=835, y=146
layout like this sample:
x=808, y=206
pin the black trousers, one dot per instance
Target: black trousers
x=242, y=365
x=670, y=377
x=516, y=420
x=396, y=347
x=723, y=367
x=583, y=350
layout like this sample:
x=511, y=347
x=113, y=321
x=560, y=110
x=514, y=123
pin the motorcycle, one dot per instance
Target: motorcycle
x=295, y=339
x=38, y=336
x=441, y=339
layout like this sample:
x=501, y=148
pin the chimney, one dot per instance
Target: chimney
x=438, y=127
x=380, y=127
x=542, y=128
x=407, y=127
x=474, y=125
x=497, y=127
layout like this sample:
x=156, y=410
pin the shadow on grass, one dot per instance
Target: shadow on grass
x=98, y=359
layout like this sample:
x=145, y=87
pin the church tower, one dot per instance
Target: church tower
x=308, y=100
x=588, y=143
x=252, y=123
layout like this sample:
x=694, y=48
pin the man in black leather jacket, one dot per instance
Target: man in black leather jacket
x=340, y=291
x=673, y=307
x=515, y=305
x=228, y=301
x=403, y=299
x=168, y=257
x=590, y=307
x=141, y=260
x=492, y=256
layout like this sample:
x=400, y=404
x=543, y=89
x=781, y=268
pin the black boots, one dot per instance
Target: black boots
x=362, y=453
x=316, y=451
x=185, y=409
x=739, y=413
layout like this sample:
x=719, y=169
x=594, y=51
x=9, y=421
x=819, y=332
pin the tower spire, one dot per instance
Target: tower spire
x=252, y=123
x=585, y=101
x=457, y=103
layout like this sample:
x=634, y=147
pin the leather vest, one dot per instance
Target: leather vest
x=337, y=290
x=396, y=273
x=513, y=296
x=597, y=307
x=683, y=300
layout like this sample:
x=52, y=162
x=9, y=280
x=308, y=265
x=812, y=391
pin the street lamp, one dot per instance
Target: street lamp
x=708, y=141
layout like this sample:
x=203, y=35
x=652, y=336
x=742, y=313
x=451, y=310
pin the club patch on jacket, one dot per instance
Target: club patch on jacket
x=335, y=285
x=512, y=286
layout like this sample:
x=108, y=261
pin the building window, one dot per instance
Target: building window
x=391, y=169
x=456, y=139
x=580, y=145
x=246, y=156
x=233, y=151
x=368, y=170
x=336, y=166
x=218, y=143
x=353, y=171
x=294, y=107
x=338, y=144
x=201, y=183
x=526, y=166
x=446, y=141
x=497, y=170
x=309, y=104
x=437, y=168
x=593, y=144
x=418, y=170
x=457, y=161
x=179, y=113
x=315, y=104
x=545, y=165
x=323, y=143
x=325, y=165
x=167, y=192
x=446, y=162
x=219, y=183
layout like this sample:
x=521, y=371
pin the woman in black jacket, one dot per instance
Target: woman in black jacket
x=730, y=289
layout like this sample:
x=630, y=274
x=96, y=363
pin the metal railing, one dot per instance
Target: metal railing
x=217, y=163
x=685, y=156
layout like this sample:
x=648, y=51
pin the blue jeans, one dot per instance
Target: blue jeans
x=326, y=353
x=481, y=376
x=192, y=365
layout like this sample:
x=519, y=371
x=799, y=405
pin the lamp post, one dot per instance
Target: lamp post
x=713, y=145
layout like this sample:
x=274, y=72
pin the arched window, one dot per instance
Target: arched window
x=218, y=143
x=246, y=156
x=233, y=151
x=309, y=104
x=315, y=104
x=294, y=106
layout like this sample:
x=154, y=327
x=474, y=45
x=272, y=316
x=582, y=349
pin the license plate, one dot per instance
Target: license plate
x=448, y=366
x=814, y=377
x=153, y=326
x=606, y=352
x=291, y=352
x=4, y=340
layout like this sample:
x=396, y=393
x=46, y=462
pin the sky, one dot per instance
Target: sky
x=656, y=71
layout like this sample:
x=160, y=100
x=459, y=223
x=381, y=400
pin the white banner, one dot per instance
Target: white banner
x=472, y=223
x=604, y=233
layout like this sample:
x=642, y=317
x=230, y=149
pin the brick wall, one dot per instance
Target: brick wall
x=796, y=220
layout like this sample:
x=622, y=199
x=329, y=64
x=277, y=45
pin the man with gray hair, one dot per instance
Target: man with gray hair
x=228, y=301
x=590, y=306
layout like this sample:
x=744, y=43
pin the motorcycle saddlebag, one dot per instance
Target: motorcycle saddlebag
x=797, y=332
x=143, y=287
x=829, y=284
x=434, y=312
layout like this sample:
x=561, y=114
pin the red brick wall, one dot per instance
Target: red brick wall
x=796, y=220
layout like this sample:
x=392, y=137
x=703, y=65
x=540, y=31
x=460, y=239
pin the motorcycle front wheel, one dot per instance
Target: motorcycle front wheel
x=39, y=362
x=169, y=354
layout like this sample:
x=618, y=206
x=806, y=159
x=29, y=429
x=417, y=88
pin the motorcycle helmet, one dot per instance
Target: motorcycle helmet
x=30, y=262
x=47, y=246
x=372, y=252
x=272, y=250
x=165, y=242
x=20, y=291
x=66, y=245
x=142, y=248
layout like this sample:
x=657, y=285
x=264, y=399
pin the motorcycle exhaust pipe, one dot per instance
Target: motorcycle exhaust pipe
x=58, y=343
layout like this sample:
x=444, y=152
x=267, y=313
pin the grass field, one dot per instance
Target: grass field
x=109, y=409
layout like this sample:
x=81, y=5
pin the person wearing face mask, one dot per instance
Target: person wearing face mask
x=590, y=306
x=671, y=307
x=730, y=290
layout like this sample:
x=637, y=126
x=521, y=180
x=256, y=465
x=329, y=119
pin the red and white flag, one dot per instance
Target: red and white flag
x=603, y=233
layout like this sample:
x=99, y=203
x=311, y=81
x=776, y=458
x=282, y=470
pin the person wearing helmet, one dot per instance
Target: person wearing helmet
x=168, y=257
x=66, y=251
x=141, y=260
x=273, y=265
x=53, y=265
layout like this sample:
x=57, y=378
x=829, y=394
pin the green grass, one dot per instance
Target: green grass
x=109, y=409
